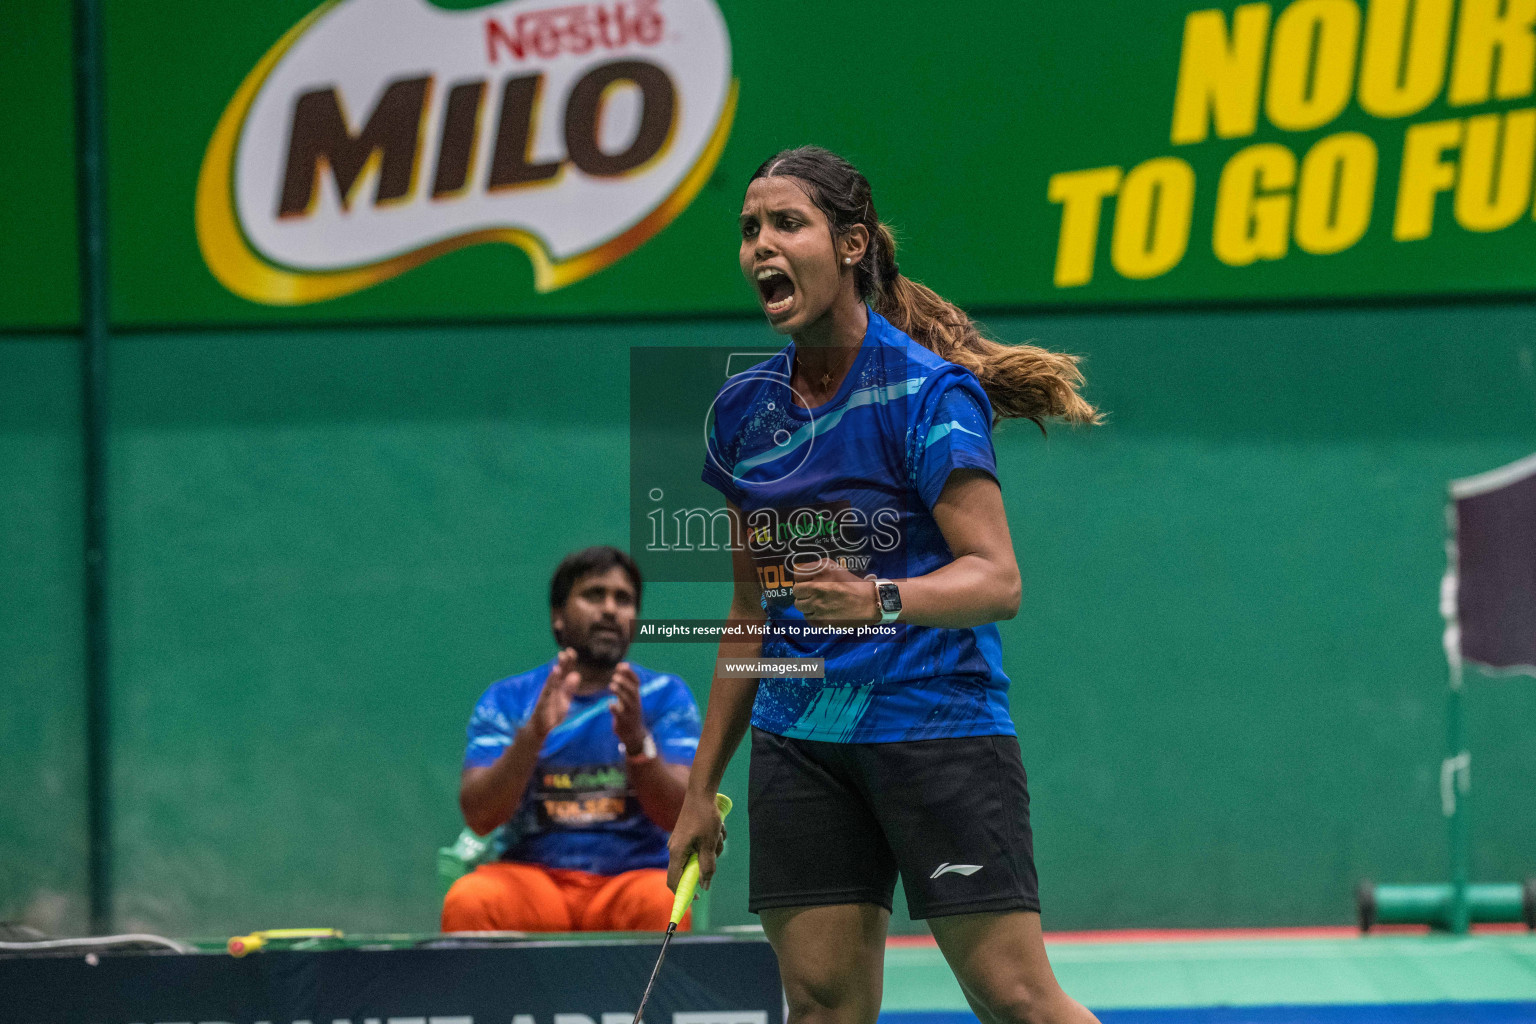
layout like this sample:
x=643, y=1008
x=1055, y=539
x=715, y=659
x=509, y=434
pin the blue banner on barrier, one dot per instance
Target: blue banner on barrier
x=706, y=980
x=1372, y=1013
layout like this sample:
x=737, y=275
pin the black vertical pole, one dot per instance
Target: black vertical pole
x=90, y=147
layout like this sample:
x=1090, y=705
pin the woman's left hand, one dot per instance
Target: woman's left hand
x=825, y=591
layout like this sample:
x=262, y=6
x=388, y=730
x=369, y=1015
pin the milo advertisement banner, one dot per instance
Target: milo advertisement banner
x=289, y=162
x=376, y=135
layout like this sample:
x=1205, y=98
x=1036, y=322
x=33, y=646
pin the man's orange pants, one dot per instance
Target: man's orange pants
x=509, y=897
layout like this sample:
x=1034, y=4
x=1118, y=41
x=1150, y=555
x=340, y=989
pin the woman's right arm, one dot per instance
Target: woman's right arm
x=726, y=718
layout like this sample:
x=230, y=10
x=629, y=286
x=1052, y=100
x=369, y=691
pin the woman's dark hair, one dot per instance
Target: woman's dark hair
x=592, y=561
x=1020, y=380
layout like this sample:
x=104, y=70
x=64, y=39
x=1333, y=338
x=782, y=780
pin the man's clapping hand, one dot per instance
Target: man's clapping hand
x=554, y=701
x=628, y=721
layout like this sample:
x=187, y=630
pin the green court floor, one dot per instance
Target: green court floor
x=1252, y=972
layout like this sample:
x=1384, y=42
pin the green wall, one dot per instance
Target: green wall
x=325, y=543
x=42, y=698
x=39, y=264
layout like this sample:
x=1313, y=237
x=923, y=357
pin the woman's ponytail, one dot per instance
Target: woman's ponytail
x=1021, y=381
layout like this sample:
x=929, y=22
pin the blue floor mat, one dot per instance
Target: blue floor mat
x=1392, y=1013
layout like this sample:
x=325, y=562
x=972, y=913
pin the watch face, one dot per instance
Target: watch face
x=890, y=598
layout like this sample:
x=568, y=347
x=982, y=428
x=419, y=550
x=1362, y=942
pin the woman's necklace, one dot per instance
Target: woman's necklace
x=826, y=378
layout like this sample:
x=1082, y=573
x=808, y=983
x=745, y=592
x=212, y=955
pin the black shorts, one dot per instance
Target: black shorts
x=835, y=822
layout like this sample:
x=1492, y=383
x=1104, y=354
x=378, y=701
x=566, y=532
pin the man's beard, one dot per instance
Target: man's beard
x=601, y=650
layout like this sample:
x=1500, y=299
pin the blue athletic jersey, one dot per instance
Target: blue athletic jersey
x=580, y=812
x=857, y=479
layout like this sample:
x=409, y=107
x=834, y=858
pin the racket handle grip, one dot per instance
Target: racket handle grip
x=690, y=879
x=685, y=887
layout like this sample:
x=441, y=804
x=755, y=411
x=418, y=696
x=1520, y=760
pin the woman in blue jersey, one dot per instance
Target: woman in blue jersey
x=859, y=470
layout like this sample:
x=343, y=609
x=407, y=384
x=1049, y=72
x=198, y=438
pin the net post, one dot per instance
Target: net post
x=1456, y=769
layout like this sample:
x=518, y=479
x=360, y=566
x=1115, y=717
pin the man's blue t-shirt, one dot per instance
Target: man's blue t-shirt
x=580, y=812
x=857, y=479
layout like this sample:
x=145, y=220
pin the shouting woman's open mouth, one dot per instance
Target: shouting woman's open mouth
x=777, y=290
